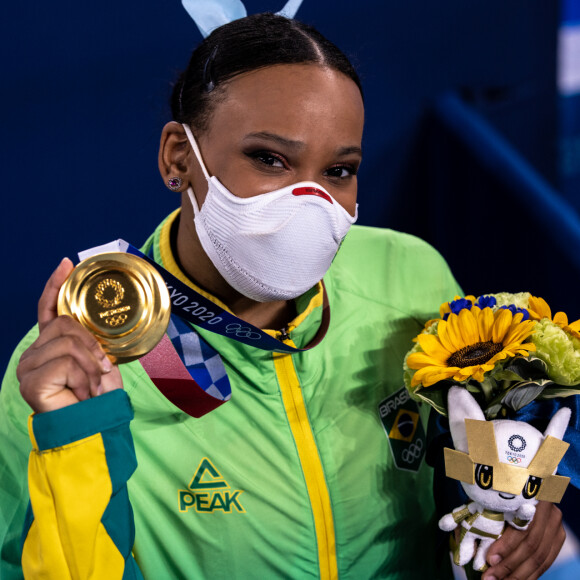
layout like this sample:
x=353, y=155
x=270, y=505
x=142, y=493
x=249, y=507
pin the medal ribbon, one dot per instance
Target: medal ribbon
x=187, y=370
x=195, y=308
x=183, y=366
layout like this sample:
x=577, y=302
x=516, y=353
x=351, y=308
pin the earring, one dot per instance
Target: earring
x=174, y=183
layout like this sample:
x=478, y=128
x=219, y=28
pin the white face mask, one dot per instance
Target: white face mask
x=273, y=246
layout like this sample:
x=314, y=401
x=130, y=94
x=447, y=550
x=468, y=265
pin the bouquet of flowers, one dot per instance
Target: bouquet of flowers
x=480, y=363
x=506, y=349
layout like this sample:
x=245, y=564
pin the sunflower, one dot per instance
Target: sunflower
x=469, y=344
x=539, y=309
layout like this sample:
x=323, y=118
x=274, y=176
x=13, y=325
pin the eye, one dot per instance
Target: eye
x=341, y=171
x=484, y=476
x=532, y=487
x=268, y=158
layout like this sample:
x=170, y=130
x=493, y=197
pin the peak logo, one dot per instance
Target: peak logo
x=209, y=492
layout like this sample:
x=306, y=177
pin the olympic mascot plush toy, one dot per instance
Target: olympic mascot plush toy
x=505, y=467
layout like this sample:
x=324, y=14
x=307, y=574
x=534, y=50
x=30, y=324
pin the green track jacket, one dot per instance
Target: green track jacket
x=314, y=469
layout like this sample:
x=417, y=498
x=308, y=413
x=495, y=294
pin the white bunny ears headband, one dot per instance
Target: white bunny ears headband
x=210, y=14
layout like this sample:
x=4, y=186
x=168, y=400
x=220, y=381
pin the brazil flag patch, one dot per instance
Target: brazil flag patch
x=399, y=415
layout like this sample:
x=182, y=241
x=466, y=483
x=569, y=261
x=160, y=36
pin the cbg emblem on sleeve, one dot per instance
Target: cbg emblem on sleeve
x=400, y=418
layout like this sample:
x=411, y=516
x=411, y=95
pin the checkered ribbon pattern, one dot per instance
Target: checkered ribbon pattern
x=203, y=363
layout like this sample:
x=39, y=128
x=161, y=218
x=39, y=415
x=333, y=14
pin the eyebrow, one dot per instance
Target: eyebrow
x=297, y=145
x=350, y=150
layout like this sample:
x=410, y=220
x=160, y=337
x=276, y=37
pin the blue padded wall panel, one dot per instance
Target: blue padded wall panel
x=84, y=98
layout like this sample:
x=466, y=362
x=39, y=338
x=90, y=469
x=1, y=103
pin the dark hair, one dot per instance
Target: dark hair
x=245, y=45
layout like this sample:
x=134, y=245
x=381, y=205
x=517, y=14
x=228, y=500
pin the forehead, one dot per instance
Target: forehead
x=297, y=101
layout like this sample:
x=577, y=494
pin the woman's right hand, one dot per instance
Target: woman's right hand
x=65, y=364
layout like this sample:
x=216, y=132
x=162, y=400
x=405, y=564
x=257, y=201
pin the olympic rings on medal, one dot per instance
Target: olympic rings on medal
x=514, y=459
x=116, y=320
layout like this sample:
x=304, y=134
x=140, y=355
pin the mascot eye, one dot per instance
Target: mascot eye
x=484, y=476
x=532, y=487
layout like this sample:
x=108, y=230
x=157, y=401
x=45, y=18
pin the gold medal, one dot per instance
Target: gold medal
x=121, y=299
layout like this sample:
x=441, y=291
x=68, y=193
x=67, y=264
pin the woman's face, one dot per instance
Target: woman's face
x=280, y=125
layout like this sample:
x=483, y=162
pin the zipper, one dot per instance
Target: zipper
x=310, y=462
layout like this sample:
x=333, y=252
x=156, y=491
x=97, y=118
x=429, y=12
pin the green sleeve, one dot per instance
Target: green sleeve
x=81, y=522
x=14, y=451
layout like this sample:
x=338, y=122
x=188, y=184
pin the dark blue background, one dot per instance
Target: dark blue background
x=570, y=119
x=85, y=87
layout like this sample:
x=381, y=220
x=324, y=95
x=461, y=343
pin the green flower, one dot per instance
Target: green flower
x=559, y=350
x=519, y=300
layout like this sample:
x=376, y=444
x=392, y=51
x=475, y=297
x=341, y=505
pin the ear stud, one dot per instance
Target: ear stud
x=174, y=183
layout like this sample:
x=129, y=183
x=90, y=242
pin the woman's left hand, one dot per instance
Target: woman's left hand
x=527, y=554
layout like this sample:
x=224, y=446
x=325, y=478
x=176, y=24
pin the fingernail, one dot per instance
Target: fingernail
x=107, y=365
x=490, y=578
x=493, y=560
